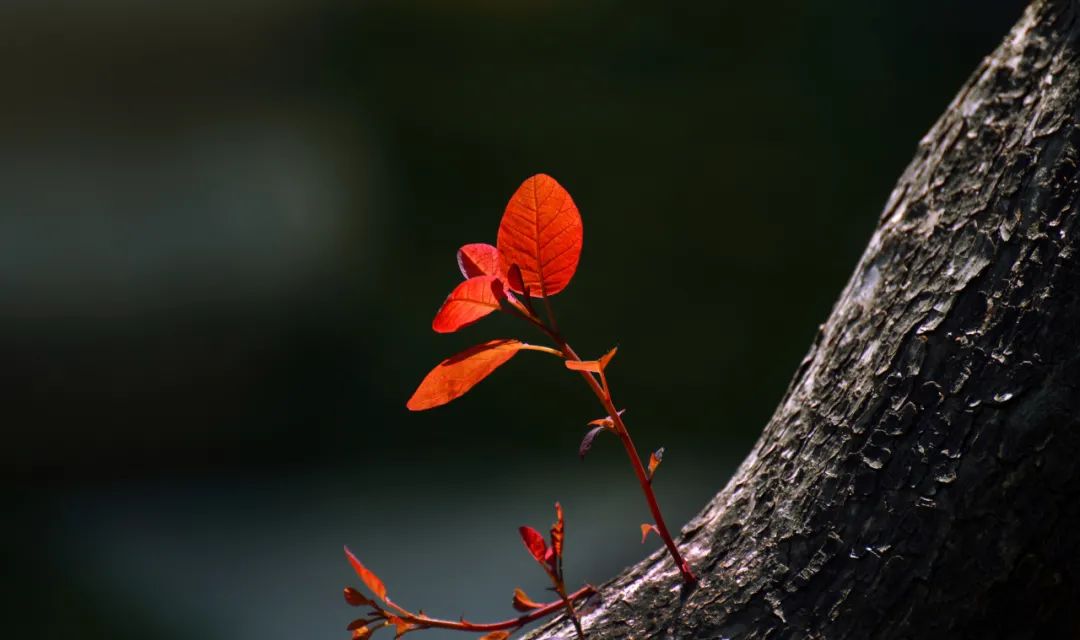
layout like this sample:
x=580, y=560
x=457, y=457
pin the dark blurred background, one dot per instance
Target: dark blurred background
x=226, y=227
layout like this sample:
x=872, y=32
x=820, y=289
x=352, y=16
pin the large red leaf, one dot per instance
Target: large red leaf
x=541, y=233
x=453, y=377
x=479, y=259
x=467, y=303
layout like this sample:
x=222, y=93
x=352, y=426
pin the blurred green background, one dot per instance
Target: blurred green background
x=226, y=227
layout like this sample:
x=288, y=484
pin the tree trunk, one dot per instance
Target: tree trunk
x=921, y=477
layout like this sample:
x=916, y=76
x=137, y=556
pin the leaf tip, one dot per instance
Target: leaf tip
x=654, y=461
x=355, y=598
x=522, y=602
x=558, y=531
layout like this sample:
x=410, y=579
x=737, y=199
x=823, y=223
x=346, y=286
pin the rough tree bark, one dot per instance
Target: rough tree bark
x=921, y=477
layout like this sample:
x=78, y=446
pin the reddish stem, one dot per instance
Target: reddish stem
x=603, y=393
x=513, y=623
x=635, y=462
x=569, y=603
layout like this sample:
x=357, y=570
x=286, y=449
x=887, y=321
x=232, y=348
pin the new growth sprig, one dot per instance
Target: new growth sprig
x=384, y=612
x=550, y=559
x=536, y=254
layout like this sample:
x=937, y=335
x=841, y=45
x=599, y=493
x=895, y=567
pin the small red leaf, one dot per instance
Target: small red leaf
x=496, y=635
x=606, y=421
x=541, y=233
x=467, y=303
x=522, y=602
x=479, y=259
x=654, y=461
x=359, y=622
x=583, y=365
x=453, y=377
x=361, y=634
x=557, y=531
x=645, y=529
x=371, y=581
x=586, y=442
x=534, y=542
x=550, y=559
x=513, y=278
x=400, y=625
x=595, y=366
x=355, y=598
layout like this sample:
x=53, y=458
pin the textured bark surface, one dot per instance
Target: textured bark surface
x=921, y=477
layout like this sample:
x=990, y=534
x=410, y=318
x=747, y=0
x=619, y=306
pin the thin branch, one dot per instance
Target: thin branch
x=602, y=393
x=513, y=623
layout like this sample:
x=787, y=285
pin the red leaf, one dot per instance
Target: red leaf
x=495, y=635
x=583, y=365
x=645, y=529
x=371, y=581
x=453, y=377
x=361, y=633
x=467, y=303
x=522, y=602
x=479, y=259
x=541, y=232
x=534, y=542
x=606, y=358
x=557, y=531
